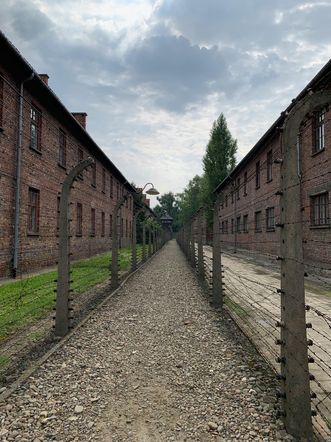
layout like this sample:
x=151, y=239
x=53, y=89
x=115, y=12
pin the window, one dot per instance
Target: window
x=223, y=227
x=319, y=131
x=110, y=225
x=92, y=222
x=122, y=228
x=245, y=184
x=94, y=175
x=245, y=223
x=238, y=188
x=33, y=211
x=226, y=226
x=232, y=197
x=257, y=174
x=111, y=186
x=58, y=213
x=79, y=220
x=258, y=225
x=238, y=224
x=80, y=157
x=226, y=200
x=103, y=222
x=103, y=181
x=126, y=228
x=1, y=100
x=270, y=218
x=232, y=225
x=320, y=209
x=35, y=128
x=62, y=149
x=269, y=166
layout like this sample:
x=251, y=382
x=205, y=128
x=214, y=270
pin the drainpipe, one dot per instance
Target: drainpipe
x=18, y=178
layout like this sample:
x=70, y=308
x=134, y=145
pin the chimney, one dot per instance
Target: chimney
x=81, y=118
x=44, y=78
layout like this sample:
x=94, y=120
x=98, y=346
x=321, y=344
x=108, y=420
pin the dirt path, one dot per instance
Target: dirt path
x=156, y=363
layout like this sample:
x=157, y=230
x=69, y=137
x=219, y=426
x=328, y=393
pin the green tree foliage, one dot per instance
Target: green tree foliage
x=191, y=198
x=218, y=161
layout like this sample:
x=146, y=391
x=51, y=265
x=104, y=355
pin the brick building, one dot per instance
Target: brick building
x=249, y=208
x=51, y=141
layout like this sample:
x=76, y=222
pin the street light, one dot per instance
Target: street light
x=151, y=191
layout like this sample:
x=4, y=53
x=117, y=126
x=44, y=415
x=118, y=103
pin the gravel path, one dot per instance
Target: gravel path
x=155, y=363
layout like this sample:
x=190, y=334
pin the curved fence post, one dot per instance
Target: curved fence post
x=114, y=252
x=63, y=279
x=217, y=259
x=134, y=239
x=201, y=270
x=294, y=352
x=144, y=241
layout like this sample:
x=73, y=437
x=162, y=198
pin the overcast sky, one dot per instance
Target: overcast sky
x=154, y=74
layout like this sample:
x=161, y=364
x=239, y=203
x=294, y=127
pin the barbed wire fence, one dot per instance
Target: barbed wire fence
x=261, y=284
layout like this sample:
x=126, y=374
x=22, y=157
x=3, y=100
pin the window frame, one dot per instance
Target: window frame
x=245, y=223
x=269, y=166
x=257, y=175
x=62, y=158
x=79, y=219
x=270, y=227
x=93, y=220
x=103, y=223
x=318, y=131
x=36, y=122
x=33, y=226
x=258, y=221
x=313, y=199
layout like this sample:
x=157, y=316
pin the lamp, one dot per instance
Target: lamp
x=151, y=191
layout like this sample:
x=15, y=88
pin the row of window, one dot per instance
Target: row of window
x=35, y=144
x=319, y=217
x=34, y=218
x=240, y=224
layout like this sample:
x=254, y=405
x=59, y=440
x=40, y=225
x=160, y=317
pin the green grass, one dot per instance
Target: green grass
x=23, y=301
x=235, y=307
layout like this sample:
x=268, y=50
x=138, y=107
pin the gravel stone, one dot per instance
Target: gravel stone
x=155, y=363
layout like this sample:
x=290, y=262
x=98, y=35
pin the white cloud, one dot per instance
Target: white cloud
x=153, y=75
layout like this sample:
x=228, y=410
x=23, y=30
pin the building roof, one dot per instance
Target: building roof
x=21, y=69
x=320, y=79
x=166, y=217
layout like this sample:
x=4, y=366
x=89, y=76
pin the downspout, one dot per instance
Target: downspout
x=18, y=178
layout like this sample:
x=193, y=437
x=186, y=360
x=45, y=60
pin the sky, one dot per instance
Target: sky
x=153, y=75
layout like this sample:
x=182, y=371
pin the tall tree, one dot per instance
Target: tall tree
x=218, y=161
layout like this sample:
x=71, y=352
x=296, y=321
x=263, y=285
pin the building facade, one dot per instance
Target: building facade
x=249, y=197
x=40, y=142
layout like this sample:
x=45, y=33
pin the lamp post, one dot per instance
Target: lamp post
x=114, y=261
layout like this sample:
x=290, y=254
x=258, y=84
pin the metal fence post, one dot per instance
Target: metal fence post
x=201, y=270
x=217, y=260
x=63, y=279
x=294, y=354
x=192, y=245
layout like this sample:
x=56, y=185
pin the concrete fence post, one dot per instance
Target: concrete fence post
x=115, y=242
x=144, y=242
x=134, y=239
x=294, y=353
x=192, y=245
x=63, y=279
x=201, y=267
x=149, y=241
x=217, y=260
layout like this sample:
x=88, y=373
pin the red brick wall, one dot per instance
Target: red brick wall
x=316, y=174
x=41, y=171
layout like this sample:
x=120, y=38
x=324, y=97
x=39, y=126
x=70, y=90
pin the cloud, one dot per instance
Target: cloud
x=153, y=75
